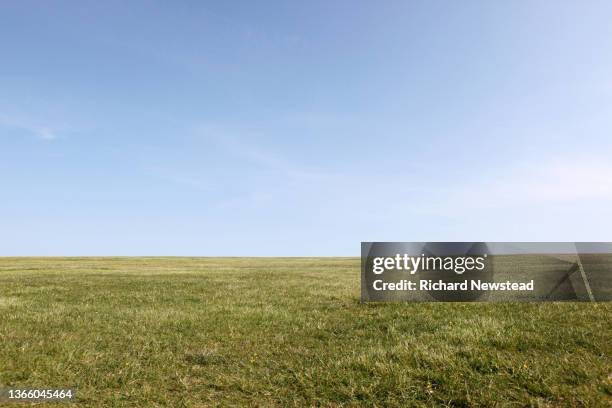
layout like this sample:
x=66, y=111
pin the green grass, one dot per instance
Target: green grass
x=284, y=332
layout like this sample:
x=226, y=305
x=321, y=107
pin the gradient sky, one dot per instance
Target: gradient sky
x=301, y=127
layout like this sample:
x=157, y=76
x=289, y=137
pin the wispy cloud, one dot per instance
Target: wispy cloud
x=570, y=180
x=286, y=180
x=576, y=179
x=36, y=129
x=180, y=178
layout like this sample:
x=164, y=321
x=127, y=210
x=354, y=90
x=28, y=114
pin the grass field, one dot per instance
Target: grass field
x=284, y=332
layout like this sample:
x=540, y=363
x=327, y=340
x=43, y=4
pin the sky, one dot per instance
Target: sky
x=301, y=128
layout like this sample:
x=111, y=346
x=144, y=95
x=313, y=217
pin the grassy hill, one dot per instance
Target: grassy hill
x=284, y=332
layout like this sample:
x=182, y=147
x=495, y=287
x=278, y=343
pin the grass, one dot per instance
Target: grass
x=199, y=332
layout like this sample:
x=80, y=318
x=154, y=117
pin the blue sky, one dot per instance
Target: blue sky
x=301, y=128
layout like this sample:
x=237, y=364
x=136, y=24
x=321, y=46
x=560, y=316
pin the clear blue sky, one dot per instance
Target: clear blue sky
x=301, y=127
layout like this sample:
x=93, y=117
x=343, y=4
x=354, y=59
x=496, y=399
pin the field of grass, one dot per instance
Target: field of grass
x=198, y=332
